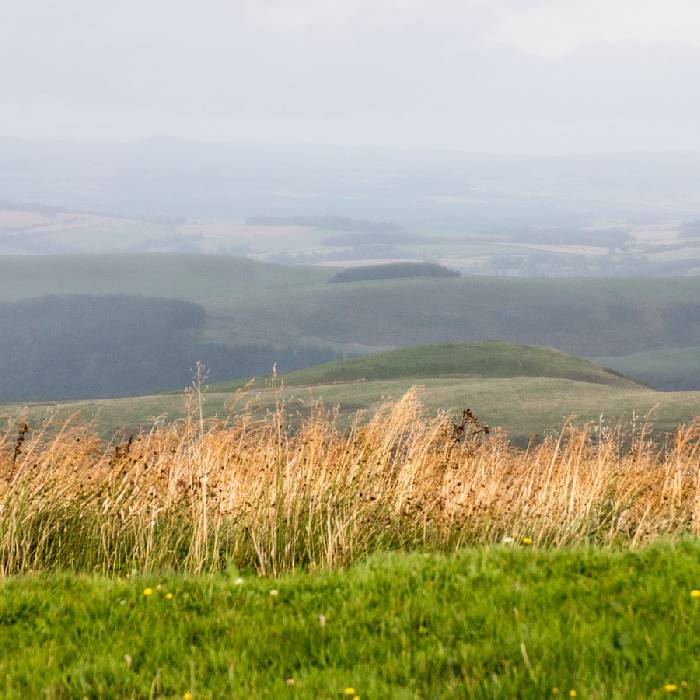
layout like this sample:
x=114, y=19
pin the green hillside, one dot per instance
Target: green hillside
x=669, y=369
x=248, y=301
x=486, y=359
x=524, y=390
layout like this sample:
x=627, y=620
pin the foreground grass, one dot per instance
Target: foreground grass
x=197, y=496
x=498, y=622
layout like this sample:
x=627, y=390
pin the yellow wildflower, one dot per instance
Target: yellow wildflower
x=527, y=540
x=169, y=596
x=187, y=695
x=670, y=687
x=695, y=593
x=349, y=691
x=148, y=591
x=159, y=587
x=572, y=693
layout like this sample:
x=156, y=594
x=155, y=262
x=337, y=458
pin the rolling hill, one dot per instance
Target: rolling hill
x=524, y=390
x=489, y=359
x=252, y=302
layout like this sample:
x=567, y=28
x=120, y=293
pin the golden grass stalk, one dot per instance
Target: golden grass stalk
x=260, y=494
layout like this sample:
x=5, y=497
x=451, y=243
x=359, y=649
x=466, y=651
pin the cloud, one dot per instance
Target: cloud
x=525, y=75
x=555, y=27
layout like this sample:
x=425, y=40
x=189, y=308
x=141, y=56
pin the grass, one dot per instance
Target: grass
x=494, y=622
x=198, y=497
x=458, y=360
x=519, y=405
x=405, y=556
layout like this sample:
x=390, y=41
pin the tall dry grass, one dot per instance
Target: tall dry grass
x=198, y=496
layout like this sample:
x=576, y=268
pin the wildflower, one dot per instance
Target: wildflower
x=670, y=687
x=555, y=691
x=322, y=620
x=128, y=660
x=507, y=540
x=238, y=581
x=527, y=541
x=274, y=592
x=159, y=587
x=572, y=693
x=148, y=591
x=169, y=596
x=187, y=695
x=684, y=684
x=695, y=593
x=349, y=691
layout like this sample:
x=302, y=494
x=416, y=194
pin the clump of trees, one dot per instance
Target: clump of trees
x=80, y=346
x=392, y=271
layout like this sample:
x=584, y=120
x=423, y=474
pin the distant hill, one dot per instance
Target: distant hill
x=83, y=346
x=489, y=359
x=675, y=369
x=392, y=271
x=249, y=302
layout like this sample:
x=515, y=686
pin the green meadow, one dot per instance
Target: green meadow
x=499, y=622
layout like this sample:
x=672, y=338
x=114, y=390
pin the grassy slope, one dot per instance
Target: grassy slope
x=521, y=389
x=498, y=622
x=520, y=405
x=664, y=369
x=254, y=301
x=486, y=359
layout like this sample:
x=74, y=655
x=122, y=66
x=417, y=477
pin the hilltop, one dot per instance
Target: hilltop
x=488, y=359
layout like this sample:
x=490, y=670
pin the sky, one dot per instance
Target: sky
x=497, y=76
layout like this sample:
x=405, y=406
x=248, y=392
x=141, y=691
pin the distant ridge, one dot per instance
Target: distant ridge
x=392, y=271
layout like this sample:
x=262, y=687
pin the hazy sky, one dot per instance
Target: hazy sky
x=542, y=76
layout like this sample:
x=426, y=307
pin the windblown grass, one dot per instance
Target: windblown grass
x=200, y=496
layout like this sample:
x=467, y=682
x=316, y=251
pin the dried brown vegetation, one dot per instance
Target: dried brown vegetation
x=199, y=496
